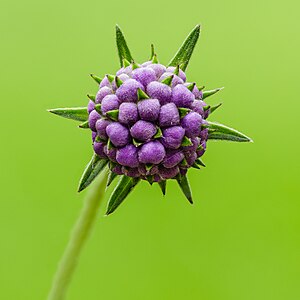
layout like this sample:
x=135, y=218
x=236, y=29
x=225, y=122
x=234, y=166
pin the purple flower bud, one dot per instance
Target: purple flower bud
x=168, y=173
x=93, y=118
x=176, y=79
x=127, y=92
x=192, y=124
x=160, y=91
x=105, y=82
x=143, y=130
x=197, y=106
x=128, y=156
x=111, y=153
x=131, y=172
x=182, y=96
x=102, y=93
x=172, y=137
x=91, y=106
x=152, y=153
x=147, y=63
x=127, y=70
x=183, y=172
x=157, y=178
x=144, y=75
x=117, y=169
x=99, y=149
x=118, y=134
x=101, y=125
x=173, y=158
x=169, y=115
x=149, y=109
x=109, y=102
x=94, y=134
x=190, y=157
x=158, y=69
x=181, y=73
x=204, y=134
x=128, y=113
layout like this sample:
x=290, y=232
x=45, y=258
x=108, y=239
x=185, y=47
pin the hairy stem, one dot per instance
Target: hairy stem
x=77, y=240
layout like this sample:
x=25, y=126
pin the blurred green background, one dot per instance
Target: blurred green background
x=241, y=238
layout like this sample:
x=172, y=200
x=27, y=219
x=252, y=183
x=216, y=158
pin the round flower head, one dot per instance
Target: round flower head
x=148, y=122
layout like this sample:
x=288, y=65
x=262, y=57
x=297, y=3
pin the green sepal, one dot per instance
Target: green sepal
x=191, y=86
x=113, y=114
x=200, y=88
x=183, y=55
x=185, y=187
x=111, y=176
x=200, y=162
x=158, y=133
x=136, y=143
x=152, y=52
x=110, y=77
x=96, y=78
x=84, y=125
x=168, y=80
x=200, y=147
x=141, y=94
x=155, y=59
x=126, y=63
x=98, y=108
x=213, y=108
x=73, y=113
x=91, y=97
x=195, y=165
x=206, y=107
x=176, y=71
x=148, y=167
x=186, y=142
x=98, y=139
x=134, y=65
x=92, y=170
x=150, y=179
x=211, y=92
x=109, y=145
x=163, y=186
x=221, y=132
x=121, y=191
x=118, y=81
x=183, y=111
x=122, y=47
x=183, y=163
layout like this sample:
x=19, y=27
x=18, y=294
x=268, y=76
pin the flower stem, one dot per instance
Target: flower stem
x=77, y=240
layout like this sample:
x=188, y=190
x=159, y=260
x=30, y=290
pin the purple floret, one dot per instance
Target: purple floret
x=128, y=113
x=158, y=69
x=182, y=96
x=149, y=109
x=152, y=153
x=91, y=106
x=118, y=134
x=105, y=82
x=172, y=137
x=101, y=125
x=102, y=93
x=181, y=73
x=169, y=115
x=173, y=158
x=93, y=118
x=99, y=149
x=144, y=75
x=143, y=130
x=192, y=124
x=175, y=81
x=167, y=173
x=128, y=156
x=109, y=102
x=127, y=92
x=160, y=91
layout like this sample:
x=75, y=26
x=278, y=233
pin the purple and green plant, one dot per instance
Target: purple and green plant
x=148, y=122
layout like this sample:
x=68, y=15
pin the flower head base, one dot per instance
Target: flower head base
x=148, y=122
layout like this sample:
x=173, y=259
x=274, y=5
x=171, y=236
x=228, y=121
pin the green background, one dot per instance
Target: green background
x=241, y=238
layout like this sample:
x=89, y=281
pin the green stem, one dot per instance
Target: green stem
x=77, y=240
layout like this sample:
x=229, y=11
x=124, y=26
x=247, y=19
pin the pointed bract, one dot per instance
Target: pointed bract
x=84, y=125
x=92, y=170
x=122, y=47
x=163, y=186
x=185, y=187
x=111, y=176
x=186, y=142
x=218, y=131
x=113, y=114
x=141, y=94
x=96, y=78
x=213, y=108
x=168, y=80
x=123, y=188
x=73, y=113
x=91, y=97
x=183, y=55
x=211, y=92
